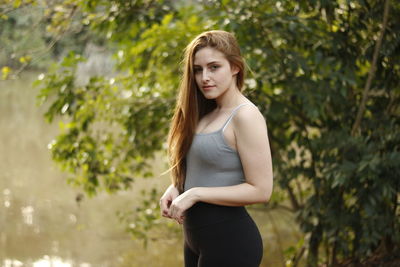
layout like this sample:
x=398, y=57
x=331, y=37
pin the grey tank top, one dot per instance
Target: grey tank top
x=211, y=162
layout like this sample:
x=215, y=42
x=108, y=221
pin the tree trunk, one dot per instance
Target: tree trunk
x=315, y=240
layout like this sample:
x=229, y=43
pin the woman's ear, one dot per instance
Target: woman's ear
x=234, y=70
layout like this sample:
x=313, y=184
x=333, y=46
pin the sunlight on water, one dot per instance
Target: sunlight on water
x=56, y=262
x=46, y=261
x=12, y=263
x=7, y=202
x=51, y=262
x=72, y=218
x=27, y=212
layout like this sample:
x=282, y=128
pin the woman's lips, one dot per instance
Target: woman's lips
x=208, y=87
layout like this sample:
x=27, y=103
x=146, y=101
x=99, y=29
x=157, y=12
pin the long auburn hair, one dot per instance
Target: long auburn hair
x=191, y=105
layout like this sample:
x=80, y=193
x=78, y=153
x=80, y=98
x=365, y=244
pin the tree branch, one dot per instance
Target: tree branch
x=5, y=11
x=45, y=50
x=372, y=70
x=293, y=199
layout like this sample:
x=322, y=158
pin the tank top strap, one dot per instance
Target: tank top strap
x=233, y=114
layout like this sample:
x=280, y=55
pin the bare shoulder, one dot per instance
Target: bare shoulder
x=249, y=118
x=251, y=136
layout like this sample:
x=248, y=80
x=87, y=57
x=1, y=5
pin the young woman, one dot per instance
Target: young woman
x=220, y=157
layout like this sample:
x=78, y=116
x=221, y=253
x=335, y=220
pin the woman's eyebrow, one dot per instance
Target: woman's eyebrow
x=210, y=63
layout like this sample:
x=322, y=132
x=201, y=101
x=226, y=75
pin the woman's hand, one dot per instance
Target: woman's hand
x=165, y=202
x=182, y=203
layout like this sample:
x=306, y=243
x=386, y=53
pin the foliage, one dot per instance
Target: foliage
x=309, y=65
x=145, y=217
x=33, y=33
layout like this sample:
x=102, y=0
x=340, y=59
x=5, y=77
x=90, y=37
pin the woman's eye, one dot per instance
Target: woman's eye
x=197, y=70
x=214, y=67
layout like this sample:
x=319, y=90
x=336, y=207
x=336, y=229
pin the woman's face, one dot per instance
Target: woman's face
x=213, y=72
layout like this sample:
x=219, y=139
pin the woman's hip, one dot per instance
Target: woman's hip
x=220, y=232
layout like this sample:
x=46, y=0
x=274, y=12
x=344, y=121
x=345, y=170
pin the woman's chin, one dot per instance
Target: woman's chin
x=209, y=97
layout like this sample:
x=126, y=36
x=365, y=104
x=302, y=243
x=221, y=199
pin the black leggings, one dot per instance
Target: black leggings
x=219, y=236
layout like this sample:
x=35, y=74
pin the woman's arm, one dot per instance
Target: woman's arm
x=254, y=151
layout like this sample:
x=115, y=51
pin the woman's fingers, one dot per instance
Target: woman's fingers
x=165, y=202
x=181, y=219
x=167, y=212
x=172, y=211
x=164, y=205
x=164, y=213
x=169, y=207
x=175, y=211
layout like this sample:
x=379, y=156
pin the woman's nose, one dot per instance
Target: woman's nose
x=206, y=76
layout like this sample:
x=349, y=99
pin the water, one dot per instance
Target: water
x=39, y=218
x=42, y=224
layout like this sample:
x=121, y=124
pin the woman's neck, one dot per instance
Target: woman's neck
x=230, y=99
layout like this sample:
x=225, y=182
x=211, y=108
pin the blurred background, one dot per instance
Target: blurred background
x=87, y=91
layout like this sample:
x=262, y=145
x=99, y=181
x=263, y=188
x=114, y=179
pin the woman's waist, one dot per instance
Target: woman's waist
x=203, y=214
x=213, y=180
